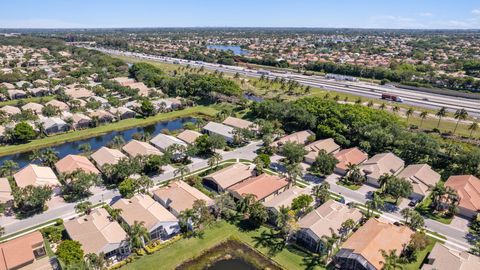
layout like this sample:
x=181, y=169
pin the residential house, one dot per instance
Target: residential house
x=137, y=148
x=77, y=93
x=10, y=110
x=240, y=123
x=179, y=196
x=38, y=176
x=163, y=141
x=300, y=137
x=16, y=94
x=219, y=129
x=122, y=113
x=228, y=176
x=102, y=116
x=264, y=187
x=353, y=156
x=54, y=125
x=80, y=121
x=380, y=164
x=39, y=92
x=35, y=107
x=103, y=101
x=362, y=250
x=443, y=258
x=26, y=252
x=321, y=221
x=5, y=192
x=98, y=232
x=106, y=155
x=160, y=223
x=284, y=199
x=314, y=148
x=72, y=163
x=422, y=178
x=143, y=90
x=189, y=136
x=62, y=106
x=124, y=81
x=468, y=190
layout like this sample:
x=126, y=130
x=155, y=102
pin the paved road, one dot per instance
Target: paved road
x=66, y=210
x=415, y=98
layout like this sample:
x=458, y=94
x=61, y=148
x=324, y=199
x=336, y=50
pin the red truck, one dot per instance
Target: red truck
x=392, y=97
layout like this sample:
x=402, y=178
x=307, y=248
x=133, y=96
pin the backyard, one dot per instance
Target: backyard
x=264, y=240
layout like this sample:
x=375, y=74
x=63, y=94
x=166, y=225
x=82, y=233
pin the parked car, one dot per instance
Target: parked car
x=413, y=203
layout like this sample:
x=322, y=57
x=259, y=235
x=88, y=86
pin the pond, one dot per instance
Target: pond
x=232, y=264
x=229, y=255
x=96, y=142
x=237, y=50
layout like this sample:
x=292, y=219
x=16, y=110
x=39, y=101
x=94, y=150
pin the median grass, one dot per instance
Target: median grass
x=93, y=132
x=261, y=240
x=351, y=187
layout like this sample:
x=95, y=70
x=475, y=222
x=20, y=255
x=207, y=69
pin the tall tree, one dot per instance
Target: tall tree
x=461, y=114
x=442, y=112
x=138, y=235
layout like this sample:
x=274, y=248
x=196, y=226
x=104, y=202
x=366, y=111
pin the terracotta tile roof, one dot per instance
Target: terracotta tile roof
x=231, y=175
x=351, y=155
x=35, y=107
x=5, y=191
x=443, y=258
x=35, y=175
x=96, y=232
x=60, y=105
x=260, y=186
x=106, y=155
x=421, y=176
x=142, y=207
x=238, y=123
x=380, y=164
x=79, y=92
x=10, y=110
x=189, y=136
x=374, y=236
x=286, y=198
x=328, y=145
x=468, y=190
x=137, y=148
x=71, y=163
x=180, y=196
x=329, y=215
x=300, y=137
x=19, y=251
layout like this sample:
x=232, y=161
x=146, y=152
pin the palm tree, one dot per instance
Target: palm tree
x=461, y=114
x=293, y=172
x=354, y=174
x=138, y=235
x=423, y=115
x=329, y=244
x=245, y=203
x=395, y=109
x=2, y=231
x=441, y=113
x=346, y=227
x=185, y=219
x=358, y=101
x=473, y=127
x=182, y=171
x=214, y=159
x=115, y=213
x=97, y=262
x=409, y=113
x=321, y=192
x=390, y=260
x=8, y=167
x=382, y=106
x=438, y=193
x=370, y=104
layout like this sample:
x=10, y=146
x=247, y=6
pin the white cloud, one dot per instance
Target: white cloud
x=425, y=14
x=476, y=12
x=398, y=22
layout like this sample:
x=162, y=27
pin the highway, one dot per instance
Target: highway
x=365, y=89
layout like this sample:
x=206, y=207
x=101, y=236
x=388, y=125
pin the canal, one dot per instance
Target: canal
x=237, y=50
x=96, y=142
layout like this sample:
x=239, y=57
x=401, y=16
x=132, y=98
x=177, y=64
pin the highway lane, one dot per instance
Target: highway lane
x=414, y=98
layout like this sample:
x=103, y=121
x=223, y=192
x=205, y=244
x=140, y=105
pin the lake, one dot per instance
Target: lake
x=97, y=142
x=232, y=264
x=237, y=50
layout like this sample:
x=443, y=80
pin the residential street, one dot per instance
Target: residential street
x=66, y=210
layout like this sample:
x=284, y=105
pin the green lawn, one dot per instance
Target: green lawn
x=14, y=102
x=420, y=257
x=261, y=239
x=352, y=187
x=92, y=132
x=424, y=209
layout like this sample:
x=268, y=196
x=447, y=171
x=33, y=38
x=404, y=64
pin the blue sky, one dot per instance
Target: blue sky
x=429, y=14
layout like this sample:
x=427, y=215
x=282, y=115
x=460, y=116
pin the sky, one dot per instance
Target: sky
x=407, y=14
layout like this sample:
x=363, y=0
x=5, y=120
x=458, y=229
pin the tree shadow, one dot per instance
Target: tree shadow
x=271, y=240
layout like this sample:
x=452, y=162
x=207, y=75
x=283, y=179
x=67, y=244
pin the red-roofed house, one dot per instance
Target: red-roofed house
x=468, y=190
